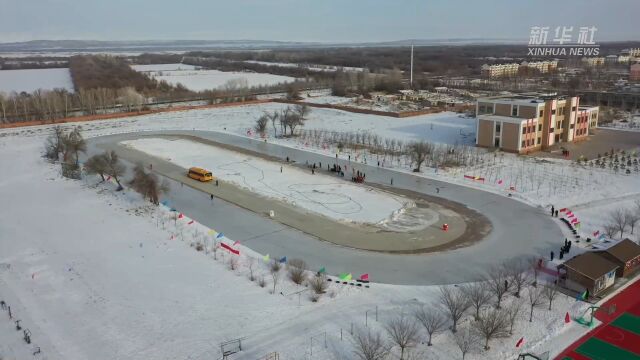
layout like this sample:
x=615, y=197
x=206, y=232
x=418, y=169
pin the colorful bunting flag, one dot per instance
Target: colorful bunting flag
x=563, y=209
x=567, y=318
x=211, y=232
x=190, y=222
x=596, y=233
x=235, y=243
x=364, y=277
x=219, y=235
x=322, y=270
x=283, y=260
x=180, y=216
x=231, y=250
x=266, y=258
x=520, y=342
x=345, y=276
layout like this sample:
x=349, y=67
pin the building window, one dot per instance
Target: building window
x=551, y=130
x=522, y=144
x=514, y=110
x=497, y=128
x=553, y=112
x=539, y=140
x=539, y=127
x=496, y=143
x=573, y=108
x=572, y=126
x=541, y=112
x=524, y=130
x=557, y=124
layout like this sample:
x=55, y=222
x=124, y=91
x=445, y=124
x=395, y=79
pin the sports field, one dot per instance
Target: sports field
x=618, y=338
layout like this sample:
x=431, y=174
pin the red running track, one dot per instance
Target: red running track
x=627, y=300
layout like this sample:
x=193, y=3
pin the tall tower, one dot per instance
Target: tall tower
x=411, y=78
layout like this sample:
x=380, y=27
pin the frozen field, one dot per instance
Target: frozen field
x=322, y=194
x=30, y=80
x=100, y=277
x=200, y=80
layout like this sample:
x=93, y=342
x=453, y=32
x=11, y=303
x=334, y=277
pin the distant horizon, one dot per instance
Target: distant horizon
x=328, y=21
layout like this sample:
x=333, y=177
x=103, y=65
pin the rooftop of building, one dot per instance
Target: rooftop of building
x=624, y=250
x=525, y=98
x=590, y=265
x=500, y=118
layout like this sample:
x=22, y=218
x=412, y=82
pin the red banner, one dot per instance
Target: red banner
x=232, y=250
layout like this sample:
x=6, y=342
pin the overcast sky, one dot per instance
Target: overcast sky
x=310, y=20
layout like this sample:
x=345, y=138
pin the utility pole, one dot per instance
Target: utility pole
x=411, y=79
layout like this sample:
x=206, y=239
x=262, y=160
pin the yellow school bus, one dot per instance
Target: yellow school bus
x=200, y=174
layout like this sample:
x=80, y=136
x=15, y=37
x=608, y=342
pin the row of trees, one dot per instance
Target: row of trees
x=66, y=147
x=621, y=220
x=483, y=300
x=288, y=118
x=418, y=153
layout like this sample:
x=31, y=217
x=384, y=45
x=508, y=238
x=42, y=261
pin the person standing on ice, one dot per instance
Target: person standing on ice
x=553, y=210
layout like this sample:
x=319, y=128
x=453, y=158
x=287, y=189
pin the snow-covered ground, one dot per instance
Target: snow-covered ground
x=30, y=80
x=106, y=276
x=199, y=80
x=319, y=193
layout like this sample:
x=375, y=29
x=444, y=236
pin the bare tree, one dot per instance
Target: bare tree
x=467, y=340
x=148, y=184
x=274, y=118
x=297, y=269
x=419, y=150
x=632, y=216
x=319, y=284
x=533, y=265
x=275, y=273
x=96, y=165
x=619, y=219
x=610, y=230
x=369, y=345
x=512, y=312
x=478, y=294
x=261, y=124
x=74, y=144
x=516, y=272
x=431, y=319
x=251, y=263
x=114, y=166
x=499, y=283
x=403, y=331
x=535, y=299
x=550, y=292
x=492, y=323
x=455, y=302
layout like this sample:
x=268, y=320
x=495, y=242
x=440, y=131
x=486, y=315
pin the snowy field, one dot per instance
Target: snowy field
x=30, y=80
x=200, y=80
x=105, y=276
x=322, y=194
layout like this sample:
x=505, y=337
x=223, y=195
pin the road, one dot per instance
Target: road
x=519, y=230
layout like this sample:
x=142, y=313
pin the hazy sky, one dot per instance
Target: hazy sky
x=310, y=20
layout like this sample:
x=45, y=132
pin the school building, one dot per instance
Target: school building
x=531, y=122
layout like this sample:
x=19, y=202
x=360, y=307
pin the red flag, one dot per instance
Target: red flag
x=235, y=243
x=567, y=318
x=108, y=178
x=499, y=182
x=563, y=209
x=190, y=222
x=180, y=216
x=596, y=233
x=231, y=250
x=364, y=277
x=519, y=343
